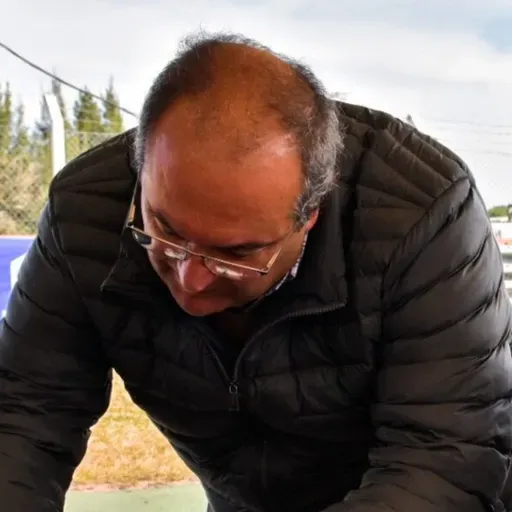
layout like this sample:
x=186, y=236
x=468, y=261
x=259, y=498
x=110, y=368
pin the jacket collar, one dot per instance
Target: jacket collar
x=321, y=281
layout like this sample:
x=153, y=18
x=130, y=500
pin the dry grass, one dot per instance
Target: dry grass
x=126, y=450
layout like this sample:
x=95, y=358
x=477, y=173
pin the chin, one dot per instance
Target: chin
x=199, y=310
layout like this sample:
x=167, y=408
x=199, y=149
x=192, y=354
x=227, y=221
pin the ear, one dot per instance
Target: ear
x=312, y=220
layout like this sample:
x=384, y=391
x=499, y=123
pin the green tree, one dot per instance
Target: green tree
x=6, y=118
x=42, y=126
x=498, y=211
x=87, y=113
x=112, y=117
x=22, y=195
x=25, y=152
x=20, y=138
x=87, y=125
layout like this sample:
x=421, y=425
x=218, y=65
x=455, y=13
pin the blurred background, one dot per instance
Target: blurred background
x=72, y=75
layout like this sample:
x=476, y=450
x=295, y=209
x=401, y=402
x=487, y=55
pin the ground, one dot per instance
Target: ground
x=177, y=498
x=126, y=450
x=130, y=467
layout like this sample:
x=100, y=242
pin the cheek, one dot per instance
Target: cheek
x=238, y=292
x=162, y=265
x=254, y=288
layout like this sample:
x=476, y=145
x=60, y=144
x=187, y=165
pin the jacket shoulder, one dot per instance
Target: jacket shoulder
x=399, y=160
x=398, y=179
x=107, y=162
x=399, y=174
x=89, y=200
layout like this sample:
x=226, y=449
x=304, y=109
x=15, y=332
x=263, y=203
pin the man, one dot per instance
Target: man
x=305, y=296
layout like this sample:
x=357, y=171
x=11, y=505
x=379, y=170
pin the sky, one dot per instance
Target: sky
x=448, y=64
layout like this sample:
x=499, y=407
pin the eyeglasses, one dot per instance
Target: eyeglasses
x=217, y=266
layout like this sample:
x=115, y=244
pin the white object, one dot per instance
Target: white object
x=58, y=133
x=14, y=269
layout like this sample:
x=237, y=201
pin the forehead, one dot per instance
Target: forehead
x=203, y=181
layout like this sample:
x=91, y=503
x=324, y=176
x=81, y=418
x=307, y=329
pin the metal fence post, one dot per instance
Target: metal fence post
x=58, y=133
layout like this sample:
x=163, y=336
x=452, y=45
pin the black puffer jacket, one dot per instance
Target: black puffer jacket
x=380, y=379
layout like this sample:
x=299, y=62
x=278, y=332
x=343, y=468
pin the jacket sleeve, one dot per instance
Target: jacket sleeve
x=443, y=415
x=54, y=383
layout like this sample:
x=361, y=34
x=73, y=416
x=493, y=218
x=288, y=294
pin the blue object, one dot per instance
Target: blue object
x=10, y=249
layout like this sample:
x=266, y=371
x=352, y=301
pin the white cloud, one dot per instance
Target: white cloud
x=427, y=58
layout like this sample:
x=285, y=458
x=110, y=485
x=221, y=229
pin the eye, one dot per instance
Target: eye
x=244, y=253
x=166, y=231
x=169, y=232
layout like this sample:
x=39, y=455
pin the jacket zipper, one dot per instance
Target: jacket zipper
x=232, y=382
x=235, y=397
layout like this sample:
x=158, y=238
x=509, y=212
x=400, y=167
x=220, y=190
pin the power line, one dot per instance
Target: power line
x=133, y=114
x=62, y=81
x=484, y=152
x=465, y=129
x=468, y=123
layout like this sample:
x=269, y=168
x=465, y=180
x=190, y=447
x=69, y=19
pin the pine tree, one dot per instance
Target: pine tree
x=25, y=154
x=21, y=183
x=6, y=118
x=86, y=126
x=112, y=117
x=87, y=113
x=42, y=127
x=20, y=140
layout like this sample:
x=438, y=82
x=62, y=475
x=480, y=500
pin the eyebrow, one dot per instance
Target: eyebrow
x=247, y=246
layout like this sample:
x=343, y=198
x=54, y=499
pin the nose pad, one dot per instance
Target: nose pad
x=193, y=276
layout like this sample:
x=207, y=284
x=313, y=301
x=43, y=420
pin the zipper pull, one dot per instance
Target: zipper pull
x=235, y=397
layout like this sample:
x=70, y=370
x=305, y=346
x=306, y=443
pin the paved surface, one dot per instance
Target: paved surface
x=179, y=498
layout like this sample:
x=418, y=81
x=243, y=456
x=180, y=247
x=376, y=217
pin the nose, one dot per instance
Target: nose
x=193, y=276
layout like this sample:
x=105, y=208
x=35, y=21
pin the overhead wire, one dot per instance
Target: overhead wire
x=35, y=66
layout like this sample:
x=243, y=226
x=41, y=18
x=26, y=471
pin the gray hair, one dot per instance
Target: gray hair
x=299, y=100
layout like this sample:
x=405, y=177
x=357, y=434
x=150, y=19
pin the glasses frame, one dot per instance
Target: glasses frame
x=218, y=262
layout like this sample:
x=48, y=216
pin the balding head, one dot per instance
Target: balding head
x=234, y=89
x=237, y=147
x=239, y=97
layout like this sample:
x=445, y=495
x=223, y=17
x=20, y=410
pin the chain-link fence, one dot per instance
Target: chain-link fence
x=78, y=142
x=25, y=175
x=24, y=179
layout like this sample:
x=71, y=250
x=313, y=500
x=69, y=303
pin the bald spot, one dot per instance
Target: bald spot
x=219, y=165
x=244, y=85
